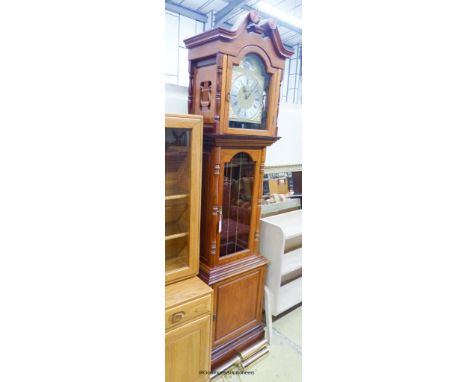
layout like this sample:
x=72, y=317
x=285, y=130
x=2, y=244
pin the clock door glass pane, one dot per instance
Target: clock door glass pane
x=237, y=204
x=249, y=94
x=178, y=150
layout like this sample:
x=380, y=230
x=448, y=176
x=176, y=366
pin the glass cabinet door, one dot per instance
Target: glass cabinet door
x=183, y=146
x=239, y=199
x=178, y=164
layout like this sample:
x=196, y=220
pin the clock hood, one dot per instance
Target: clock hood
x=253, y=31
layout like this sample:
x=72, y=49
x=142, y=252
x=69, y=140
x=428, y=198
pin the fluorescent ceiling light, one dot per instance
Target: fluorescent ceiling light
x=279, y=14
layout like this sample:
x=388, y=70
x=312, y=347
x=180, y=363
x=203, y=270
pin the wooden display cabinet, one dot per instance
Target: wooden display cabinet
x=188, y=300
x=235, y=79
x=183, y=181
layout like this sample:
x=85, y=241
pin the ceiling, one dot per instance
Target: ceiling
x=228, y=12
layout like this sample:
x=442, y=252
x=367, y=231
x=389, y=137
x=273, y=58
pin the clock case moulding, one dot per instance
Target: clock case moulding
x=237, y=279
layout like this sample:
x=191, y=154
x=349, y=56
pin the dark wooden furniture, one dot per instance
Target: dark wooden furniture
x=235, y=81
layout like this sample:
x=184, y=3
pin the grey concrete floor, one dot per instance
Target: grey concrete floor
x=284, y=361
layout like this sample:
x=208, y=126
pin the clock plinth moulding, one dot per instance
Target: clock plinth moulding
x=235, y=79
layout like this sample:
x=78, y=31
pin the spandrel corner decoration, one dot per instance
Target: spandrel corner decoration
x=235, y=78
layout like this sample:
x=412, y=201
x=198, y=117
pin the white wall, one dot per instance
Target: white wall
x=176, y=99
x=286, y=151
x=178, y=28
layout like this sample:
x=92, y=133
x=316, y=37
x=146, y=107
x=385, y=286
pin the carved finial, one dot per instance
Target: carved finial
x=254, y=17
x=271, y=23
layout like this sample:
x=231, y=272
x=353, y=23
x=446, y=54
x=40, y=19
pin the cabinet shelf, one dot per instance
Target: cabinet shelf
x=292, y=261
x=177, y=196
x=175, y=263
x=175, y=231
x=281, y=243
x=176, y=236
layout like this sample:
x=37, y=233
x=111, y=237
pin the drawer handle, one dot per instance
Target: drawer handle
x=176, y=317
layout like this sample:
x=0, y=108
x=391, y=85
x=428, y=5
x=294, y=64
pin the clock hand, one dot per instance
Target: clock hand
x=244, y=90
x=251, y=92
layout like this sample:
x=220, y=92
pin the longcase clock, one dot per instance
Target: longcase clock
x=235, y=78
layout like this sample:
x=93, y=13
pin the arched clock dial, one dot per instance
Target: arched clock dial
x=248, y=93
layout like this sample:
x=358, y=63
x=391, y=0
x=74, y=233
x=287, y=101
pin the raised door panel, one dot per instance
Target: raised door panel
x=204, y=92
x=188, y=352
x=238, y=305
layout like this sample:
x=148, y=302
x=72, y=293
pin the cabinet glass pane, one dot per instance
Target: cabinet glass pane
x=177, y=161
x=176, y=253
x=177, y=213
x=237, y=204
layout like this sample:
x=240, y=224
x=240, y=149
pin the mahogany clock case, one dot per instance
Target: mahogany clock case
x=234, y=150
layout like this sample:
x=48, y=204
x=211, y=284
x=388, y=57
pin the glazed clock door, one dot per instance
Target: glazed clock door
x=251, y=89
x=248, y=100
x=240, y=198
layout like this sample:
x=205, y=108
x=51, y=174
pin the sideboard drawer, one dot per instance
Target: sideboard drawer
x=188, y=311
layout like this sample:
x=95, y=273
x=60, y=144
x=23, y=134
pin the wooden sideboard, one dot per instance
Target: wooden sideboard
x=189, y=302
x=188, y=331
